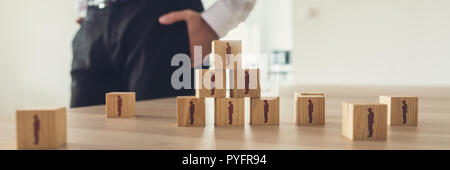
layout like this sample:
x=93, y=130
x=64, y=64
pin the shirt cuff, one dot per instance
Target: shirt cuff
x=219, y=18
x=82, y=8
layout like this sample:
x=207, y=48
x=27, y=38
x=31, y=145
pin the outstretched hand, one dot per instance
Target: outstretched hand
x=200, y=33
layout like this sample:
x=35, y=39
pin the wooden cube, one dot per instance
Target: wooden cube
x=120, y=105
x=245, y=83
x=227, y=54
x=229, y=112
x=265, y=111
x=309, y=108
x=41, y=128
x=190, y=111
x=364, y=121
x=401, y=110
x=210, y=83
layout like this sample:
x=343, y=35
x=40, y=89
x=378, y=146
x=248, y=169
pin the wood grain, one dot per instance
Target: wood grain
x=204, y=86
x=355, y=121
x=155, y=125
x=310, y=93
x=301, y=108
x=127, y=109
x=50, y=125
x=257, y=111
x=184, y=111
x=222, y=108
x=395, y=110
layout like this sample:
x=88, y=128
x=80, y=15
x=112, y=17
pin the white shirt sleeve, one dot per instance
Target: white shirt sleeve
x=81, y=8
x=225, y=15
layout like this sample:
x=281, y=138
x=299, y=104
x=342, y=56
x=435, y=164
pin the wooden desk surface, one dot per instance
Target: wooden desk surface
x=155, y=126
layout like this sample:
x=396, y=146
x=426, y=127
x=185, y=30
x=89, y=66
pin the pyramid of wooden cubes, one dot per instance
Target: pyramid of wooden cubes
x=212, y=83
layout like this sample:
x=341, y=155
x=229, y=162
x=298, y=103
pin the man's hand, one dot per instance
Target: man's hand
x=200, y=33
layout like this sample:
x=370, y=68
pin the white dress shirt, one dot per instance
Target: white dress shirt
x=82, y=8
x=225, y=15
x=222, y=16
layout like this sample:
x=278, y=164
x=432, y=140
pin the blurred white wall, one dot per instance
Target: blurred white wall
x=268, y=27
x=35, y=53
x=377, y=42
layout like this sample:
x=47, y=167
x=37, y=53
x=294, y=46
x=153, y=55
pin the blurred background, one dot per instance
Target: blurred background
x=319, y=42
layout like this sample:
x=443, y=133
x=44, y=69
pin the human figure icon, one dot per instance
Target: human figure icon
x=405, y=110
x=119, y=105
x=191, y=112
x=247, y=82
x=228, y=51
x=370, y=122
x=230, y=112
x=310, y=110
x=213, y=83
x=266, y=111
x=37, y=128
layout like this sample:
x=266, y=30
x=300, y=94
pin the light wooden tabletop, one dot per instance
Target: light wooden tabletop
x=155, y=125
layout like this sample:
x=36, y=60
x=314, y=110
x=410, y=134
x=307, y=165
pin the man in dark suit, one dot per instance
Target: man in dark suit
x=127, y=45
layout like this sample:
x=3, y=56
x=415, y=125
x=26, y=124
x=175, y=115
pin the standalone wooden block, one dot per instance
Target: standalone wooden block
x=265, y=111
x=245, y=83
x=227, y=54
x=190, y=111
x=402, y=110
x=229, y=111
x=41, y=129
x=210, y=83
x=364, y=121
x=309, y=108
x=120, y=105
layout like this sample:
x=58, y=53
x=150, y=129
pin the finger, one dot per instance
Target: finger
x=80, y=20
x=174, y=17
